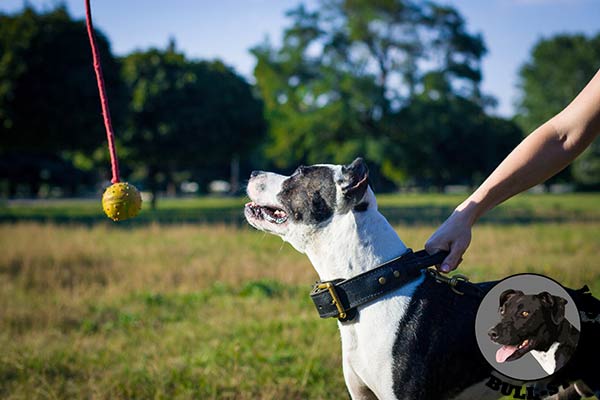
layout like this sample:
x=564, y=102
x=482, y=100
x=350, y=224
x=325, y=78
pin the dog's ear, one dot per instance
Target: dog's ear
x=556, y=305
x=355, y=181
x=507, y=294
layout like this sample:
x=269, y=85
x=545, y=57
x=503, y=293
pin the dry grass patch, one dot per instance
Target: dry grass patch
x=209, y=312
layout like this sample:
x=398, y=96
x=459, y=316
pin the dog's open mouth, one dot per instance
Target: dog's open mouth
x=511, y=352
x=270, y=214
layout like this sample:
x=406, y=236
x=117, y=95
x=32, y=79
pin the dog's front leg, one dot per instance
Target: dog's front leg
x=357, y=388
x=350, y=358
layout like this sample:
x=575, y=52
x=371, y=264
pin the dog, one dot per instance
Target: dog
x=417, y=342
x=535, y=324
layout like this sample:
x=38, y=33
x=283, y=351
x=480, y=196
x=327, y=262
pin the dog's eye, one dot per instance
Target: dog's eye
x=524, y=313
x=502, y=311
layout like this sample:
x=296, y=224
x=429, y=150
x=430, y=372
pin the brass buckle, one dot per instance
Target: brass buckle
x=451, y=281
x=336, y=300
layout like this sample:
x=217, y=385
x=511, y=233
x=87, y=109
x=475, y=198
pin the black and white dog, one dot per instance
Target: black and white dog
x=417, y=342
x=535, y=324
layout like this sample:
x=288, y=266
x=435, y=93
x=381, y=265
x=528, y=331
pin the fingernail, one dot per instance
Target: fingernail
x=445, y=268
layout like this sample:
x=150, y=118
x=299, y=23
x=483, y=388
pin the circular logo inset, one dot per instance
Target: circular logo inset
x=527, y=327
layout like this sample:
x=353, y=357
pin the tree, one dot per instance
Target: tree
x=586, y=169
x=557, y=71
x=443, y=137
x=346, y=71
x=559, y=68
x=187, y=116
x=49, y=106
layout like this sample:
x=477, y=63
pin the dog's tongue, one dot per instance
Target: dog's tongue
x=504, y=352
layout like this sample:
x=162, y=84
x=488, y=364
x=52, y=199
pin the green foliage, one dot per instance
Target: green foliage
x=394, y=81
x=586, y=169
x=449, y=139
x=48, y=94
x=349, y=79
x=49, y=104
x=558, y=70
x=185, y=119
x=187, y=115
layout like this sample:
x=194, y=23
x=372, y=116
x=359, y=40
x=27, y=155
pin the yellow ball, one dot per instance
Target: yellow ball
x=121, y=201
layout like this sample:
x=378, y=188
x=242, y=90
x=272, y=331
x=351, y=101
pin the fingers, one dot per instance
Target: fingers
x=457, y=245
x=453, y=235
x=433, y=247
x=453, y=260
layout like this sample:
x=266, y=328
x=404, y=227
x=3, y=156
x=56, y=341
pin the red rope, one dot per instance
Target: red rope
x=103, y=100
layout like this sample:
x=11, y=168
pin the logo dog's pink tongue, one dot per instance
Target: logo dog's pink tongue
x=504, y=352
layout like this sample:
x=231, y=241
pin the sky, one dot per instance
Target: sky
x=227, y=29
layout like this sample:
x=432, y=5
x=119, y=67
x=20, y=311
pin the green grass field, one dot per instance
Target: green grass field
x=399, y=209
x=219, y=311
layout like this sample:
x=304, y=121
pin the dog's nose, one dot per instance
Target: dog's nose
x=254, y=174
x=493, y=334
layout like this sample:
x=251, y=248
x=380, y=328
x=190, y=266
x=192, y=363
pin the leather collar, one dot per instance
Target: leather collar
x=339, y=298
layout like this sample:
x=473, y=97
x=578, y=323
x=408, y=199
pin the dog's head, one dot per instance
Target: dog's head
x=527, y=322
x=297, y=205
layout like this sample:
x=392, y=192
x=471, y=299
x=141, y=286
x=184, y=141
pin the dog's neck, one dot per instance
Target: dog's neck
x=353, y=243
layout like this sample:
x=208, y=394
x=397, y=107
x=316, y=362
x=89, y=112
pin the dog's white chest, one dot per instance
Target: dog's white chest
x=368, y=343
x=547, y=359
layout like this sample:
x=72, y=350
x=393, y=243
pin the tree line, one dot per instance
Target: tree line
x=397, y=82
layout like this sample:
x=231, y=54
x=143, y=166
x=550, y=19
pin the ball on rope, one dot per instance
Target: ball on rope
x=121, y=201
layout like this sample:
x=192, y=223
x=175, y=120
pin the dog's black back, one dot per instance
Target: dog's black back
x=436, y=349
x=585, y=362
x=436, y=355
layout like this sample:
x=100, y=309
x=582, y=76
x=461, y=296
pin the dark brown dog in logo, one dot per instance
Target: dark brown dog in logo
x=536, y=324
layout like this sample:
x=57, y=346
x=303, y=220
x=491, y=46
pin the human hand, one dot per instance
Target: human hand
x=454, y=235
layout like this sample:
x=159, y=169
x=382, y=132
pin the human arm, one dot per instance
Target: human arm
x=542, y=154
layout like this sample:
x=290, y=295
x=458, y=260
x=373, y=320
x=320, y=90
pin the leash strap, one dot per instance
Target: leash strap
x=114, y=161
x=340, y=298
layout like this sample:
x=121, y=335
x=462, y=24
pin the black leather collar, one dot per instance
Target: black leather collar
x=340, y=298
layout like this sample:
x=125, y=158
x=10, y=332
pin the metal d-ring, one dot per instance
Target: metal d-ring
x=454, y=281
x=451, y=281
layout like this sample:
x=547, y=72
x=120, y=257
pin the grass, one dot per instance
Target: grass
x=203, y=210
x=215, y=311
x=400, y=209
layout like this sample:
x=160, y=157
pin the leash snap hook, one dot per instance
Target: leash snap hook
x=454, y=281
x=451, y=281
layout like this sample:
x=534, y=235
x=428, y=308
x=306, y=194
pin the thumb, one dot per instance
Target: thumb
x=453, y=259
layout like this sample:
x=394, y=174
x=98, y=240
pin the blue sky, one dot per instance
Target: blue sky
x=226, y=29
